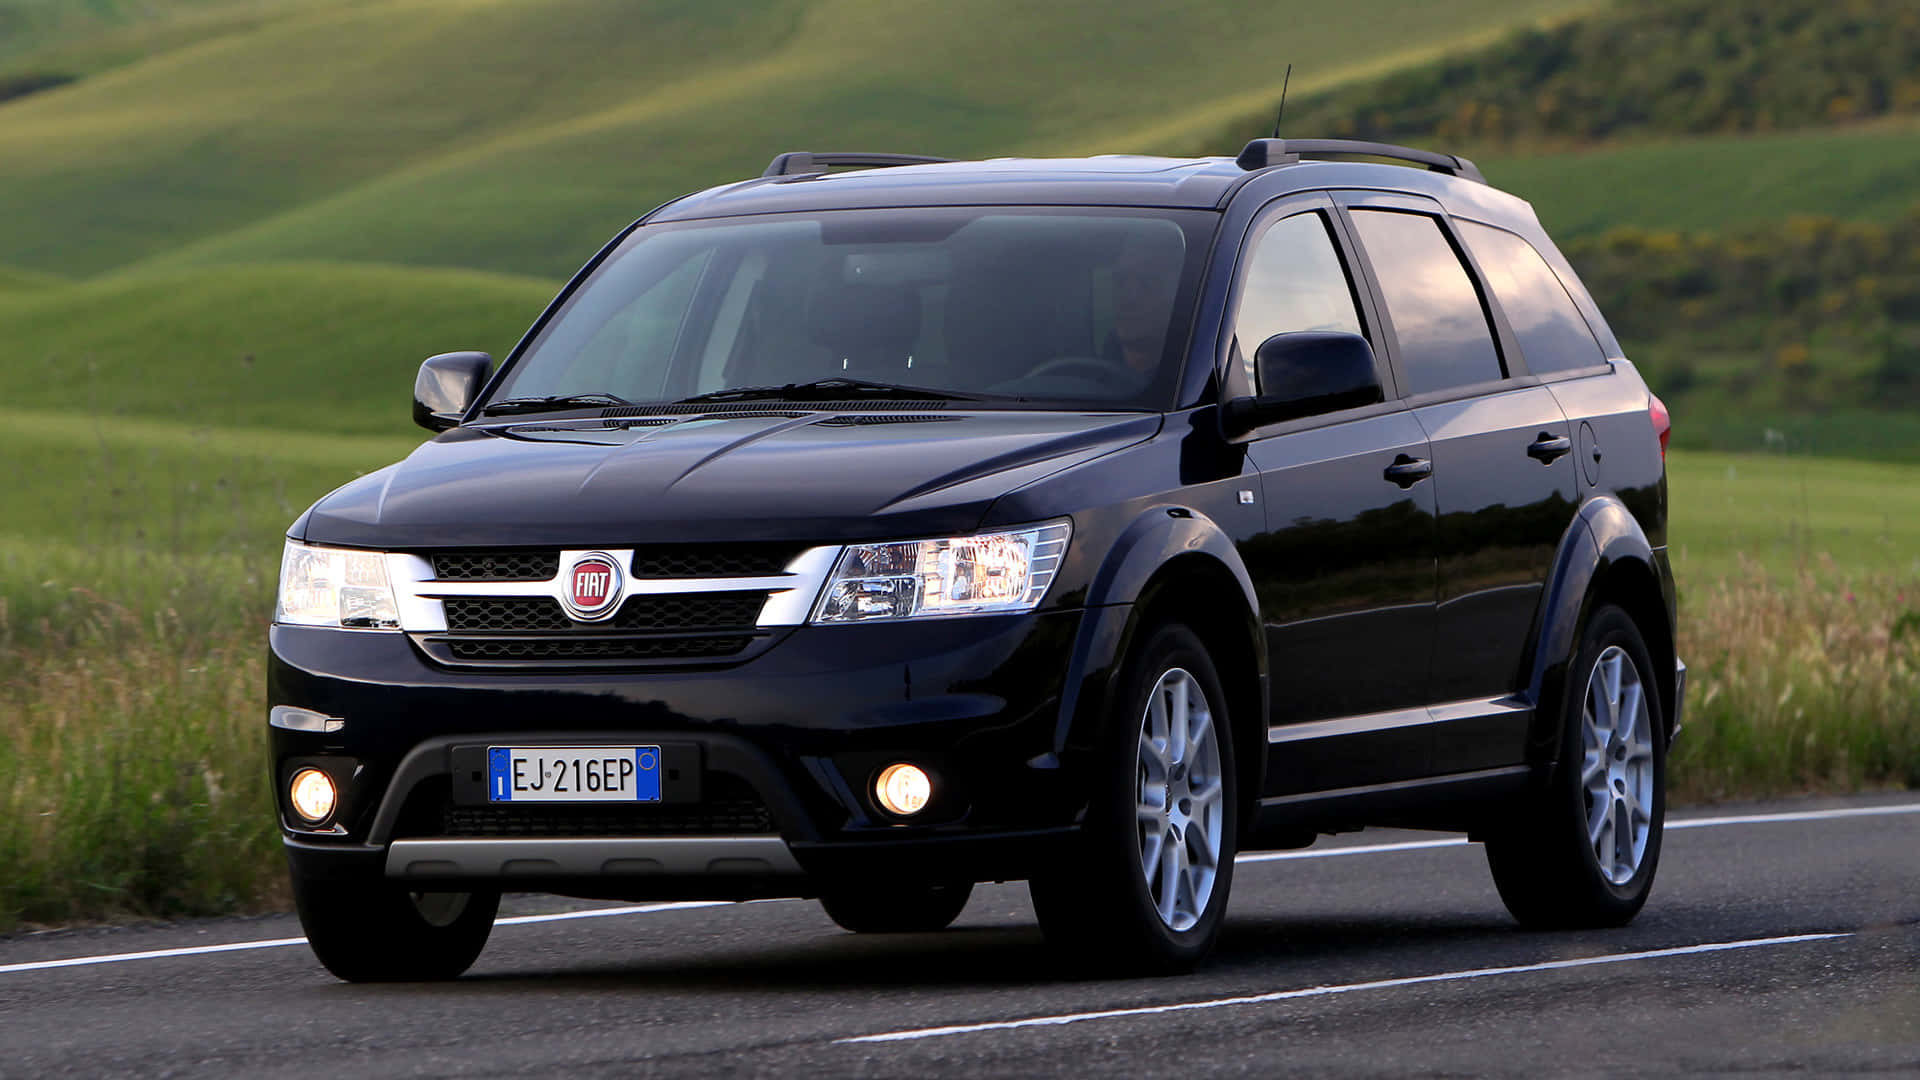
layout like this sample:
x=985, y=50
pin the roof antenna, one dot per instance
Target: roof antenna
x=1283, y=101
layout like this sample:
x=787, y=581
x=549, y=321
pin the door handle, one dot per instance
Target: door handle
x=1549, y=447
x=1407, y=470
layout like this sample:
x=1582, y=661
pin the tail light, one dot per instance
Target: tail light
x=1662, y=422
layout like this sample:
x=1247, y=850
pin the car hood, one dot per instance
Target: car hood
x=774, y=476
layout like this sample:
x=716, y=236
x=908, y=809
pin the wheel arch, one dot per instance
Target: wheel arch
x=1604, y=558
x=1174, y=564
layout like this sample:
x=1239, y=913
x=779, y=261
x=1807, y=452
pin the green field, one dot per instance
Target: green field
x=306, y=347
x=1788, y=513
x=1870, y=173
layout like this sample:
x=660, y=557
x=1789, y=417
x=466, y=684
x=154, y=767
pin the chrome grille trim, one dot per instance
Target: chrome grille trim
x=792, y=593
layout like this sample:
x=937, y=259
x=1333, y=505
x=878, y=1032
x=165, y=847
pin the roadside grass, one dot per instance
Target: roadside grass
x=133, y=779
x=132, y=749
x=1809, y=683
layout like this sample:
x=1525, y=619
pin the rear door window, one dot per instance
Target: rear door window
x=1294, y=281
x=1552, y=334
x=1438, y=321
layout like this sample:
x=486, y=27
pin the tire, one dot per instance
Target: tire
x=1578, y=857
x=894, y=910
x=1100, y=906
x=377, y=932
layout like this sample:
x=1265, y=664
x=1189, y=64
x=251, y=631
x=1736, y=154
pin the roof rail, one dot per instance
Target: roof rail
x=1261, y=153
x=802, y=163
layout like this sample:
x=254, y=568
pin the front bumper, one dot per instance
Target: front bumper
x=982, y=703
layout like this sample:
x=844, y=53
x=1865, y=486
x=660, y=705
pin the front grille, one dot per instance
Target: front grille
x=496, y=565
x=563, y=649
x=713, y=560
x=676, y=612
x=505, y=614
x=690, y=611
x=649, y=561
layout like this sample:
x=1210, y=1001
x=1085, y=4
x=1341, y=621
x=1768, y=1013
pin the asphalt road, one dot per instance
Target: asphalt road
x=1770, y=947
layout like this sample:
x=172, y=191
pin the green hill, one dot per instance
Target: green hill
x=1868, y=173
x=15, y=281
x=306, y=347
x=514, y=137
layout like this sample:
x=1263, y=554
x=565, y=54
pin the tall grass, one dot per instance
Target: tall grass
x=133, y=775
x=1808, y=684
x=133, y=782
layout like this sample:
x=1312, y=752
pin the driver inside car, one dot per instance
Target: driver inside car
x=1145, y=277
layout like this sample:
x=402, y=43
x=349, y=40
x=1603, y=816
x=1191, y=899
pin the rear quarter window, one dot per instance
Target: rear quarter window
x=1553, y=336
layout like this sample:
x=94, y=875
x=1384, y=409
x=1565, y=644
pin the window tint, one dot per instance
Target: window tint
x=1294, y=282
x=1442, y=330
x=1024, y=307
x=638, y=338
x=1553, y=336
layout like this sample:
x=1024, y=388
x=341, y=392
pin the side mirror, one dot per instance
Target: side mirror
x=447, y=386
x=1307, y=374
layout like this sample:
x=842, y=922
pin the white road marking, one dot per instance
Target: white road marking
x=1324, y=991
x=1796, y=815
x=1355, y=849
x=1256, y=857
x=1673, y=825
x=276, y=943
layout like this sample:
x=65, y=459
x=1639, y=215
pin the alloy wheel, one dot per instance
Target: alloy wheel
x=1179, y=799
x=1616, y=769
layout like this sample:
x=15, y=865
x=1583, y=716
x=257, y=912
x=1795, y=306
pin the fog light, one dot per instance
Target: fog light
x=903, y=789
x=312, y=795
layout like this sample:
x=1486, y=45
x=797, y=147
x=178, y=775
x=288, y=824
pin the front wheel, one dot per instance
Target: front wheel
x=1584, y=850
x=1146, y=888
x=378, y=932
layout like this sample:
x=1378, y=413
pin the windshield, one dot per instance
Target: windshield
x=1042, y=307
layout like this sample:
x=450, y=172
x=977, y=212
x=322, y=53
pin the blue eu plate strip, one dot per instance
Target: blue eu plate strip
x=499, y=768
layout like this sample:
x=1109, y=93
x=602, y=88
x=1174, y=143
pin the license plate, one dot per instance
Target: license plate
x=573, y=774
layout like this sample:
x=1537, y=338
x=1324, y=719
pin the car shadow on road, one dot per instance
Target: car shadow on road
x=979, y=957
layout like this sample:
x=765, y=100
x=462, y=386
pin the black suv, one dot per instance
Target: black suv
x=884, y=525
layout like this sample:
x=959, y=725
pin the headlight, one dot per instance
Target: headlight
x=961, y=575
x=335, y=587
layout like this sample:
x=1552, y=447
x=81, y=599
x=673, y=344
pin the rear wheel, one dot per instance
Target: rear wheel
x=1585, y=848
x=896, y=910
x=1146, y=888
x=377, y=932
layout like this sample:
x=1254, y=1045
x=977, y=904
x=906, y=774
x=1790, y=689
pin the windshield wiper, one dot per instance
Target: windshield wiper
x=550, y=402
x=832, y=389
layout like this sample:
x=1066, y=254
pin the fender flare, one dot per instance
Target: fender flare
x=1159, y=535
x=1156, y=537
x=1603, y=534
